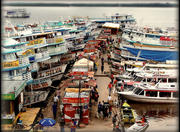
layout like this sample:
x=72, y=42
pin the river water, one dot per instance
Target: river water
x=162, y=118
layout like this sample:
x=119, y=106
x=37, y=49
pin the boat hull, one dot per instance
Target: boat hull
x=145, y=99
x=154, y=54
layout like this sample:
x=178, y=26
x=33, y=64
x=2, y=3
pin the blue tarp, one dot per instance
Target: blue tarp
x=155, y=55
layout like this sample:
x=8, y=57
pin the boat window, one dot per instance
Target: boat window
x=4, y=57
x=165, y=94
x=11, y=73
x=172, y=80
x=142, y=92
x=148, y=79
x=137, y=91
x=151, y=93
x=138, y=79
x=164, y=80
x=175, y=94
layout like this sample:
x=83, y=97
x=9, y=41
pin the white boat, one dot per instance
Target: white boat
x=160, y=93
x=17, y=13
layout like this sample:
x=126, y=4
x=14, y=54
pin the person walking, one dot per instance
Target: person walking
x=102, y=61
x=110, y=110
x=56, y=99
x=54, y=109
x=102, y=68
x=112, y=78
x=103, y=110
x=99, y=109
x=62, y=123
x=73, y=126
x=110, y=87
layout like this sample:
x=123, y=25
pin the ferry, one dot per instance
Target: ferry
x=17, y=13
x=160, y=93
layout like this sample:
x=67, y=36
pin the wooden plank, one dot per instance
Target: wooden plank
x=29, y=116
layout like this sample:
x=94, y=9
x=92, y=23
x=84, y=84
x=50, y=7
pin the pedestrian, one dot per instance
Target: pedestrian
x=99, y=109
x=110, y=87
x=112, y=78
x=62, y=123
x=54, y=108
x=114, y=121
x=96, y=96
x=102, y=61
x=56, y=99
x=73, y=126
x=108, y=56
x=102, y=68
x=103, y=110
x=110, y=110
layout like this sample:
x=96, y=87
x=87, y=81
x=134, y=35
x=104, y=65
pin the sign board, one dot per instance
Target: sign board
x=59, y=40
x=11, y=64
x=75, y=100
x=37, y=41
x=28, y=52
x=8, y=96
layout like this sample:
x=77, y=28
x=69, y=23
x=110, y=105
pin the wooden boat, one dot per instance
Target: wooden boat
x=138, y=126
x=127, y=113
x=162, y=93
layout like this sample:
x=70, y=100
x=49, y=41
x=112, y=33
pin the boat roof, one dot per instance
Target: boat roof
x=8, y=51
x=9, y=42
x=160, y=86
x=111, y=25
x=161, y=74
x=11, y=86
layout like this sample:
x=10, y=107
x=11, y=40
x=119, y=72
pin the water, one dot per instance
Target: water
x=161, y=117
x=161, y=17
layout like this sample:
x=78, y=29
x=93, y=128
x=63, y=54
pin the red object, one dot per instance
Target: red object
x=75, y=100
x=110, y=85
x=112, y=76
x=115, y=81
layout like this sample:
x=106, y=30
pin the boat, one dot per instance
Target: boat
x=116, y=18
x=138, y=126
x=17, y=13
x=144, y=77
x=34, y=97
x=160, y=93
x=127, y=113
x=155, y=54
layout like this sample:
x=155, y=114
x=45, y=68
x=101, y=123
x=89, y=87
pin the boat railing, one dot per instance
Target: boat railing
x=60, y=49
x=33, y=97
x=42, y=55
x=50, y=72
x=27, y=76
x=24, y=61
x=34, y=66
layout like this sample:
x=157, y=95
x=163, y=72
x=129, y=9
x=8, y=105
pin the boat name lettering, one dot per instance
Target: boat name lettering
x=10, y=64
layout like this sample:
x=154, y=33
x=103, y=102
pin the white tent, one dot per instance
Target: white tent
x=84, y=63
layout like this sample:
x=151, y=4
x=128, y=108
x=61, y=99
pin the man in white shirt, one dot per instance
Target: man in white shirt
x=56, y=99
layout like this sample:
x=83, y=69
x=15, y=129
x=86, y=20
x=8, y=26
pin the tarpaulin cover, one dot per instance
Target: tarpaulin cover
x=161, y=56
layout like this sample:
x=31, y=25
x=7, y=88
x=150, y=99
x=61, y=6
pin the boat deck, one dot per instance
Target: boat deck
x=29, y=116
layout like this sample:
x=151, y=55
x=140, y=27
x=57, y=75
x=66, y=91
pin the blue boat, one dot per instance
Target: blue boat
x=155, y=54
